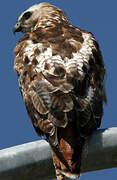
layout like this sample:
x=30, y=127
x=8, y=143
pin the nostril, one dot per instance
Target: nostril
x=17, y=25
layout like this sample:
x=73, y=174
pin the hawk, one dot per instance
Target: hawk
x=61, y=78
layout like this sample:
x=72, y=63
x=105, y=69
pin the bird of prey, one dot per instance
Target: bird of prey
x=61, y=78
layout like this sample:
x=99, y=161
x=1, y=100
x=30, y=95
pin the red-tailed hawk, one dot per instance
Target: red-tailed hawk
x=61, y=78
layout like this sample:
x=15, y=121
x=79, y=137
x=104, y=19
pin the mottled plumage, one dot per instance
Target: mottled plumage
x=61, y=78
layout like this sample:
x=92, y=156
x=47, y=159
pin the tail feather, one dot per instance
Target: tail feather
x=67, y=154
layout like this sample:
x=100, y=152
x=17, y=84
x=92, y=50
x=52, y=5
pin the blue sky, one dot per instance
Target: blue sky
x=98, y=17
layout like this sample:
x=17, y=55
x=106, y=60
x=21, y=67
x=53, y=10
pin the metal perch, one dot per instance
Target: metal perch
x=33, y=160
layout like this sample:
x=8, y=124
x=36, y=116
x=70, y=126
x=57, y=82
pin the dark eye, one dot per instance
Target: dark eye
x=27, y=15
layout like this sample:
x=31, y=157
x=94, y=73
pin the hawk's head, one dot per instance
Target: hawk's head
x=41, y=14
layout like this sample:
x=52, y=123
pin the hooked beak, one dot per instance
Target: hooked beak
x=17, y=28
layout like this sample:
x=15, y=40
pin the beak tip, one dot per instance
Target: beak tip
x=14, y=31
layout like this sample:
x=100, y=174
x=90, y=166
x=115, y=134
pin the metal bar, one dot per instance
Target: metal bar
x=33, y=160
